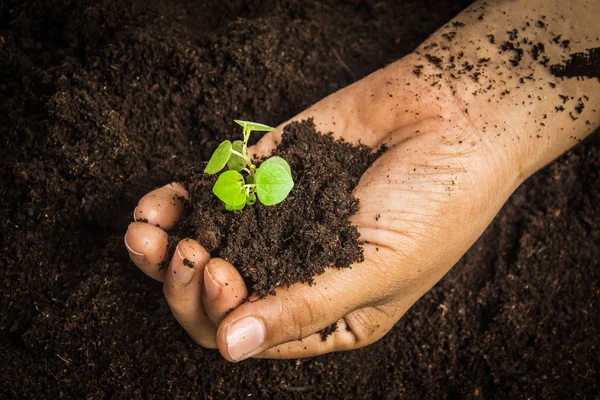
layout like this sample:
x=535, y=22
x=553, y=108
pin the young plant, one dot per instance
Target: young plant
x=270, y=183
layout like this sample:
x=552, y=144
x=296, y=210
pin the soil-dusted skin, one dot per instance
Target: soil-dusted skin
x=104, y=100
x=298, y=238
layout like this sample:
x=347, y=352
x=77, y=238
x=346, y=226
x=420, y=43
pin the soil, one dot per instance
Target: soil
x=580, y=65
x=103, y=101
x=298, y=238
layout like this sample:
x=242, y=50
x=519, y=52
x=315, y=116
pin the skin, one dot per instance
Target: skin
x=458, y=148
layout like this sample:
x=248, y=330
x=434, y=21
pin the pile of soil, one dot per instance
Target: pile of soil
x=294, y=240
x=105, y=100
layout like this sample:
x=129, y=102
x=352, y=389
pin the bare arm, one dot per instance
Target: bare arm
x=498, y=59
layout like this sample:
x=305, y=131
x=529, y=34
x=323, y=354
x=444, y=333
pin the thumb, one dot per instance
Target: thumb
x=335, y=113
x=270, y=140
x=300, y=311
x=265, y=146
x=343, y=114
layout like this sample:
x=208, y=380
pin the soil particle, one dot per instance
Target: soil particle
x=449, y=36
x=510, y=46
x=435, y=60
x=563, y=98
x=325, y=333
x=583, y=64
x=580, y=106
x=418, y=69
x=536, y=50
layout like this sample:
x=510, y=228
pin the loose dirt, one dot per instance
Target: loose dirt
x=105, y=100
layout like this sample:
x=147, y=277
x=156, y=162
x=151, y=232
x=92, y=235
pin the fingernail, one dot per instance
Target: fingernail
x=130, y=250
x=212, y=287
x=244, y=338
x=183, y=269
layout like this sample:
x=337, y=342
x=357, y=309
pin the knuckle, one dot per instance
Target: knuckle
x=303, y=317
x=369, y=325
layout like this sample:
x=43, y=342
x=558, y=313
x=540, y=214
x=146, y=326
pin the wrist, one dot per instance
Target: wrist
x=496, y=62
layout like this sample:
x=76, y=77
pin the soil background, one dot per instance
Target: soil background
x=101, y=101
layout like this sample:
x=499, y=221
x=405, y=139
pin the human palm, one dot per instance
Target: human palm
x=422, y=204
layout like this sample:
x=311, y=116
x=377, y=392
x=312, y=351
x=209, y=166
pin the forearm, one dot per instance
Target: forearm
x=496, y=59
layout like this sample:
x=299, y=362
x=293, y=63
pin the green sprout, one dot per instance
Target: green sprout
x=270, y=183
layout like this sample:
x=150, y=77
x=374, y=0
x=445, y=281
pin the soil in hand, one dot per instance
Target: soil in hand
x=294, y=240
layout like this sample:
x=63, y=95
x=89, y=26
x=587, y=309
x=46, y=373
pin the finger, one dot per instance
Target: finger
x=183, y=288
x=224, y=289
x=326, y=117
x=163, y=206
x=358, y=329
x=147, y=247
x=294, y=313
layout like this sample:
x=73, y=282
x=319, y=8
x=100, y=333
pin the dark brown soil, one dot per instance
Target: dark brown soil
x=102, y=101
x=579, y=65
x=297, y=239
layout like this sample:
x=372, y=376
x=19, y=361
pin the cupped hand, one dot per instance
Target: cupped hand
x=465, y=124
x=422, y=204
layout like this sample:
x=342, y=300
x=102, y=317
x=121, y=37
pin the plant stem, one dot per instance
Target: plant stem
x=246, y=158
x=246, y=135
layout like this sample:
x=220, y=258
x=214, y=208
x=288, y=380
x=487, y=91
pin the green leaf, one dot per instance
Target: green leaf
x=236, y=162
x=251, y=199
x=279, y=161
x=229, y=188
x=234, y=208
x=254, y=126
x=273, y=183
x=219, y=158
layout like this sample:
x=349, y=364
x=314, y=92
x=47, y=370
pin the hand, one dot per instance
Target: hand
x=454, y=158
x=422, y=205
x=197, y=306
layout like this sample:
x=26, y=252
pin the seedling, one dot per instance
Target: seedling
x=270, y=183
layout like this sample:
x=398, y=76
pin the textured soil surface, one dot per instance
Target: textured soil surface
x=297, y=239
x=102, y=101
